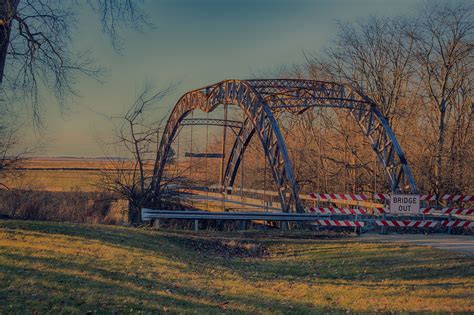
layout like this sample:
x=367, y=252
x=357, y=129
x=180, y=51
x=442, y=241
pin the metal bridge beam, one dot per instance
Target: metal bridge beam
x=256, y=110
x=261, y=101
x=297, y=96
x=211, y=122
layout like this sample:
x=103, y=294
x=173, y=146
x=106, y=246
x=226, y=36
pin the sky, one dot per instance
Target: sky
x=192, y=43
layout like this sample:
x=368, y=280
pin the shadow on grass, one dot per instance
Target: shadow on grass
x=141, y=239
x=382, y=263
x=80, y=293
x=99, y=289
x=323, y=260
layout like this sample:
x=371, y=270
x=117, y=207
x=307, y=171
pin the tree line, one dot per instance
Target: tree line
x=418, y=70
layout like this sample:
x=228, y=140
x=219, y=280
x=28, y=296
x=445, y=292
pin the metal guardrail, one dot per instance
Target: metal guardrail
x=355, y=221
x=151, y=214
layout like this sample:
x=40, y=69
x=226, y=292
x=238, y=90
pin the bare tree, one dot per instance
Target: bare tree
x=36, y=50
x=444, y=42
x=419, y=72
x=137, y=139
x=11, y=156
x=374, y=57
x=36, y=54
x=7, y=11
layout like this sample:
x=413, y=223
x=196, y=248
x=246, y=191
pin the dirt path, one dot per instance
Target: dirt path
x=455, y=243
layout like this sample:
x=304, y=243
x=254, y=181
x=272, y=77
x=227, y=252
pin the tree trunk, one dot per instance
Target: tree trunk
x=7, y=11
x=134, y=213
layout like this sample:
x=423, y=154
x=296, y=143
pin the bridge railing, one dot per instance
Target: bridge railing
x=364, y=204
x=196, y=216
x=360, y=223
x=355, y=208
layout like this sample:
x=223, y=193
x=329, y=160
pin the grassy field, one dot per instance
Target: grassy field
x=60, y=174
x=64, y=174
x=52, y=267
x=57, y=180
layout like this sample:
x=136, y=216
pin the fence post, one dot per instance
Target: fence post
x=384, y=216
x=449, y=225
x=449, y=205
x=423, y=204
x=196, y=225
x=356, y=208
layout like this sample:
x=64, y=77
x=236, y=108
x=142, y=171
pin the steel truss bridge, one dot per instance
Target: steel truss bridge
x=261, y=102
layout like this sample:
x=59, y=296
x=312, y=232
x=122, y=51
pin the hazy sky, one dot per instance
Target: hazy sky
x=195, y=42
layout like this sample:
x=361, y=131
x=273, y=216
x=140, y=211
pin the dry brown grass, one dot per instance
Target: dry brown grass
x=72, y=162
x=65, y=174
x=75, y=206
x=56, y=180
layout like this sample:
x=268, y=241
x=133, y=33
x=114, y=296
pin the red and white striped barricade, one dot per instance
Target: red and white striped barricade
x=329, y=197
x=340, y=223
x=381, y=197
x=406, y=223
x=432, y=197
x=458, y=198
x=458, y=223
x=337, y=211
x=428, y=197
x=380, y=210
x=387, y=197
x=447, y=211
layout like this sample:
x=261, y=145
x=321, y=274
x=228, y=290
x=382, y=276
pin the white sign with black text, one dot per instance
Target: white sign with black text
x=404, y=204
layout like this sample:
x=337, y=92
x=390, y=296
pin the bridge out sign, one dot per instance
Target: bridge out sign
x=404, y=204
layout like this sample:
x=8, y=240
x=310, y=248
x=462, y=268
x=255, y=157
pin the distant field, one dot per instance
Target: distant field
x=57, y=180
x=65, y=162
x=65, y=174
x=68, y=268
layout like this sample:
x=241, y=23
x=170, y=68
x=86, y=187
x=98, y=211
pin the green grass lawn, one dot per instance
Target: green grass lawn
x=58, y=267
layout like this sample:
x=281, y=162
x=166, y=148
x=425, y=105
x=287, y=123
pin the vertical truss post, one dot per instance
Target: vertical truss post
x=224, y=141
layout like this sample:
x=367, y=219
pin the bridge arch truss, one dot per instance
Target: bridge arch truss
x=261, y=102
